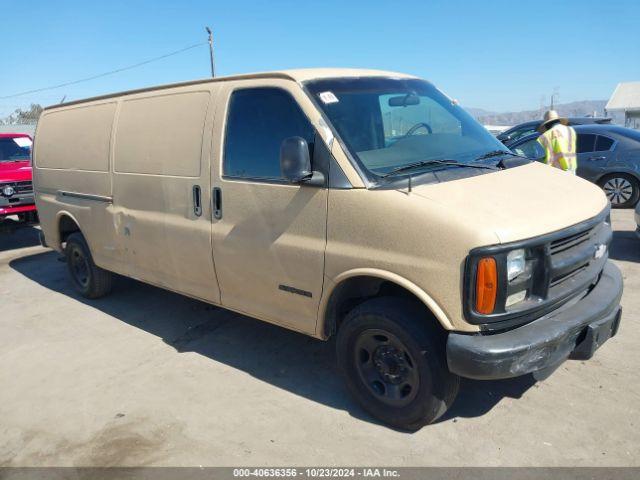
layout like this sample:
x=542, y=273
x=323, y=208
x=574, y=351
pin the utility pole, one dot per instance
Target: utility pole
x=213, y=71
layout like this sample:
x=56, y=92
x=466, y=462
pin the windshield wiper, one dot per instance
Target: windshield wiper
x=422, y=163
x=495, y=153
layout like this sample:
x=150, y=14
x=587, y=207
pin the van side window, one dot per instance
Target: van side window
x=258, y=120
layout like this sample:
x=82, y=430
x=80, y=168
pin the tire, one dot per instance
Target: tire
x=394, y=363
x=622, y=190
x=90, y=280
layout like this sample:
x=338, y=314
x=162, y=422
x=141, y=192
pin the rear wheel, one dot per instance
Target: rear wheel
x=394, y=363
x=89, y=279
x=621, y=189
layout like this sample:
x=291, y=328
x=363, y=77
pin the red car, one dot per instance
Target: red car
x=16, y=186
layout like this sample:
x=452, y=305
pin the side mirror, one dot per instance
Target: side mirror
x=295, y=161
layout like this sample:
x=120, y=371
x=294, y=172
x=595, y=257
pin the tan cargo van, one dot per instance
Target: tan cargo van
x=356, y=203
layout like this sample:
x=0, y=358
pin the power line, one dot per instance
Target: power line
x=129, y=67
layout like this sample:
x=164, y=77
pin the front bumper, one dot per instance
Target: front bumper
x=20, y=203
x=4, y=211
x=574, y=330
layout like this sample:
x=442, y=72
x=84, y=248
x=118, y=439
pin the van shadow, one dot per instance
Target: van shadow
x=478, y=397
x=625, y=246
x=288, y=360
x=15, y=235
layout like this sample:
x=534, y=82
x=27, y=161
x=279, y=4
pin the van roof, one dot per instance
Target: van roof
x=297, y=75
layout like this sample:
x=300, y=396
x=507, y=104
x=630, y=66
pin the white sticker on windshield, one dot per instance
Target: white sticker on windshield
x=328, y=97
x=23, y=141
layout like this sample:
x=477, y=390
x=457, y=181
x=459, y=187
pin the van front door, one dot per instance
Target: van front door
x=269, y=236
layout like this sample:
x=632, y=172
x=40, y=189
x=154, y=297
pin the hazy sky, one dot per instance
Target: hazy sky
x=497, y=55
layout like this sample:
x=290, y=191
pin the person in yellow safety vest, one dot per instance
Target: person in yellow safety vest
x=559, y=142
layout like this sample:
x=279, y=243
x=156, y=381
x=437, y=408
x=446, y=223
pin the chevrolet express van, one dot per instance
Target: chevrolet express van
x=356, y=203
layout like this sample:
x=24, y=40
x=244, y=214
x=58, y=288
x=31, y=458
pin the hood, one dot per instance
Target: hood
x=519, y=203
x=15, y=171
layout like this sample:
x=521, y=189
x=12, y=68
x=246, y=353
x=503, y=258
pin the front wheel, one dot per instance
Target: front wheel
x=621, y=189
x=394, y=363
x=89, y=279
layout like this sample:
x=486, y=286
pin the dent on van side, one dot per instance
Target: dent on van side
x=355, y=203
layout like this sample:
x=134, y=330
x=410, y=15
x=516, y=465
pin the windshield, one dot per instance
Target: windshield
x=520, y=132
x=388, y=123
x=15, y=149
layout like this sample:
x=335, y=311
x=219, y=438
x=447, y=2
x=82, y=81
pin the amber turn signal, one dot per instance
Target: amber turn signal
x=486, y=285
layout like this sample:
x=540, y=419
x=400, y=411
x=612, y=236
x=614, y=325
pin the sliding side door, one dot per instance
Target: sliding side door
x=161, y=188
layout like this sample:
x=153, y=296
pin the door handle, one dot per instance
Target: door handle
x=197, y=201
x=597, y=158
x=217, y=203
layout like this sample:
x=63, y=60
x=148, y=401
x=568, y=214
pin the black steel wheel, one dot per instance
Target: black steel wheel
x=79, y=267
x=89, y=279
x=386, y=367
x=392, y=357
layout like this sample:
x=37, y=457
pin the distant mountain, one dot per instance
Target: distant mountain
x=573, y=109
x=479, y=112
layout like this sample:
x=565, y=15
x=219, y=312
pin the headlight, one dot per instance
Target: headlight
x=515, y=298
x=8, y=190
x=503, y=281
x=516, y=264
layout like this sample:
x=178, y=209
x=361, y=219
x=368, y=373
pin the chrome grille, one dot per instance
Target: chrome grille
x=566, y=243
x=572, y=255
x=19, y=187
x=566, y=276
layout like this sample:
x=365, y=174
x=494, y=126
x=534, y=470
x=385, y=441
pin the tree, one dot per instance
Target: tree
x=23, y=117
